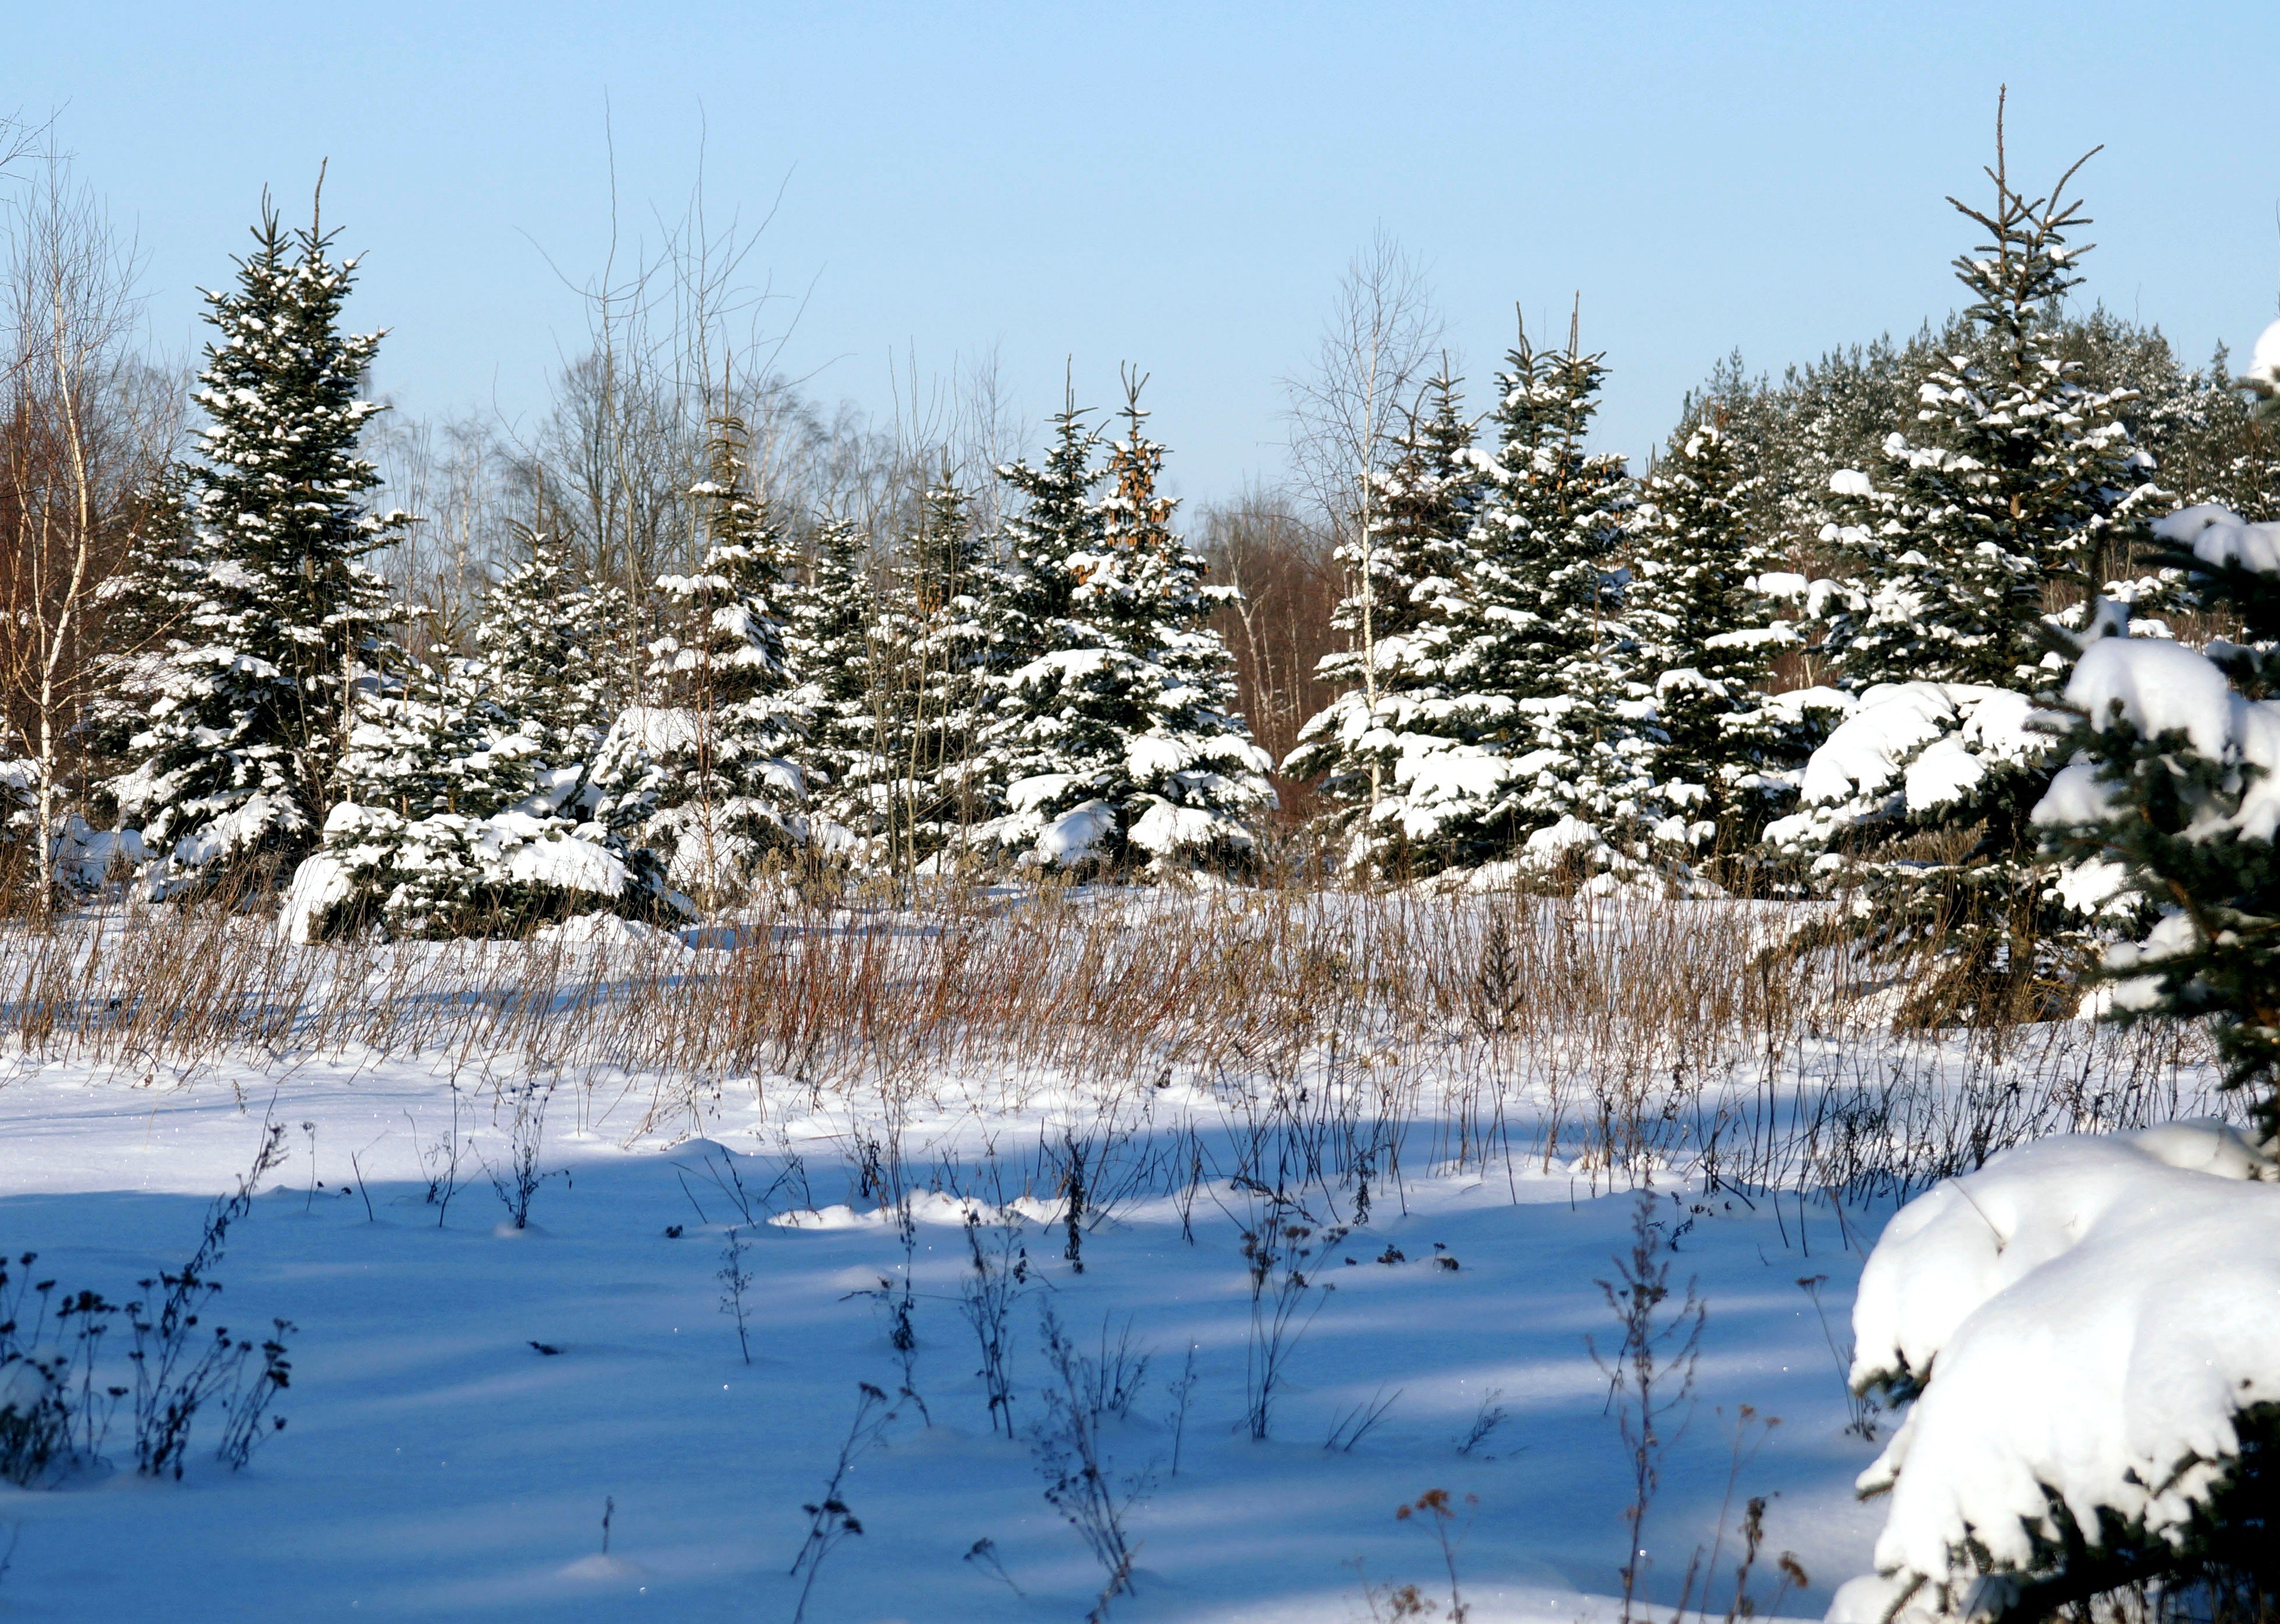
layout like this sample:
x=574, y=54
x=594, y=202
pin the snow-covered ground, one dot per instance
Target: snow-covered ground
x=466, y=1400
x=437, y=1464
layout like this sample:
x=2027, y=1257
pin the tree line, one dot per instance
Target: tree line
x=689, y=634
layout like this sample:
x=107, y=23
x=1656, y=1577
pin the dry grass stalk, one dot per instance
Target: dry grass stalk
x=1336, y=1036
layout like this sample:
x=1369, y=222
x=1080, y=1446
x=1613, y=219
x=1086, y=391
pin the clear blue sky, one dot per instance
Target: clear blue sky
x=1177, y=185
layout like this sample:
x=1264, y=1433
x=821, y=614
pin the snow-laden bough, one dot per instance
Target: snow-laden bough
x=2089, y=1326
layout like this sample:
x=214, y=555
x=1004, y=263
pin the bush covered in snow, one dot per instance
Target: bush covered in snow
x=455, y=825
x=451, y=874
x=2089, y=1329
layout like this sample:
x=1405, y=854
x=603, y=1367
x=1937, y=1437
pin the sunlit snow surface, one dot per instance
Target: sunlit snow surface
x=437, y=1466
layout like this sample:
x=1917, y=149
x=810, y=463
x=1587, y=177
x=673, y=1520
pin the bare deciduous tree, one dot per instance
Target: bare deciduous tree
x=86, y=434
x=1280, y=628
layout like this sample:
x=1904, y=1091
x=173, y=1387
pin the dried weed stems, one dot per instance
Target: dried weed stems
x=1321, y=1041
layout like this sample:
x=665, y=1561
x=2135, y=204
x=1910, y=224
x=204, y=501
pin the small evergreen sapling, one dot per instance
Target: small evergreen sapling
x=552, y=643
x=452, y=822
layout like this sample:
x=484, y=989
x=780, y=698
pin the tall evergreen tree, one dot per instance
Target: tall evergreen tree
x=1125, y=724
x=1195, y=784
x=2018, y=483
x=1543, y=744
x=1708, y=626
x=245, y=735
x=709, y=777
x=829, y=634
x=948, y=592
x=1405, y=590
x=1030, y=622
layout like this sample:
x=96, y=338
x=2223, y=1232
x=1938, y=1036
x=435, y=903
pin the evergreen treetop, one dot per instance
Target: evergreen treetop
x=2015, y=478
x=553, y=641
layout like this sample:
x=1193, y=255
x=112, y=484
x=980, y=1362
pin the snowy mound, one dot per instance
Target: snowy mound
x=2086, y=1318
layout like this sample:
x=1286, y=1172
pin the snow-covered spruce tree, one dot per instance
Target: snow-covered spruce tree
x=1197, y=783
x=552, y=643
x=2174, y=782
x=465, y=808
x=1705, y=605
x=1131, y=707
x=707, y=776
x=2155, y=1244
x=830, y=635
x=1052, y=516
x=2224, y=451
x=1834, y=415
x=2016, y=479
x=1404, y=590
x=147, y=608
x=237, y=765
x=2017, y=484
x=1542, y=745
x=946, y=588
x=452, y=823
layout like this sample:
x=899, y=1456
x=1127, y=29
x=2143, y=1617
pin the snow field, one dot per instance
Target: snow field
x=437, y=1464
x=1502, y=1071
